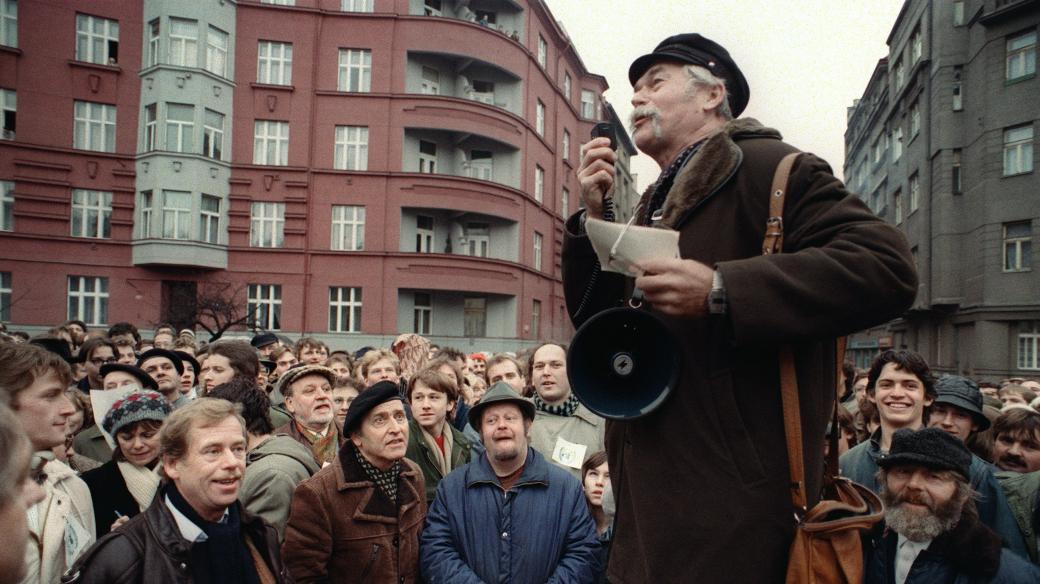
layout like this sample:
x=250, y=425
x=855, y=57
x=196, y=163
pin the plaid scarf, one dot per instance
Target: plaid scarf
x=664, y=183
x=322, y=447
x=386, y=480
x=566, y=409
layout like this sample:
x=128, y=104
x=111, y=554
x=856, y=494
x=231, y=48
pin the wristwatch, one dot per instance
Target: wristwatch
x=717, y=303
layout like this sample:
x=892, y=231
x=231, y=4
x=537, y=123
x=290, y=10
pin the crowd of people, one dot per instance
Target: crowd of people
x=265, y=460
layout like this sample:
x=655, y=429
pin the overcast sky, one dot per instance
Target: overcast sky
x=805, y=60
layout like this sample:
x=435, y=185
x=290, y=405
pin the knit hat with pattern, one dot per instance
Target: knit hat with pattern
x=136, y=407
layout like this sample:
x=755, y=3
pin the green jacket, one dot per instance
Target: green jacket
x=91, y=443
x=1023, y=496
x=273, y=469
x=419, y=453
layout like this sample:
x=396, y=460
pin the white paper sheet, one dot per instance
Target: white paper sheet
x=636, y=243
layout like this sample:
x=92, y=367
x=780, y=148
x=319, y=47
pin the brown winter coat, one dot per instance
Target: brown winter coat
x=724, y=510
x=342, y=528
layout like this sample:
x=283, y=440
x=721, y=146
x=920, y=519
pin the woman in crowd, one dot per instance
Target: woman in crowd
x=595, y=480
x=125, y=486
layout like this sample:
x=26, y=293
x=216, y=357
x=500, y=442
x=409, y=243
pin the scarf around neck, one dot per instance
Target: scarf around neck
x=386, y=480
x=322, y=447
x=141, y=481
x=224, y=556
x=442, y=460
x=566, y=409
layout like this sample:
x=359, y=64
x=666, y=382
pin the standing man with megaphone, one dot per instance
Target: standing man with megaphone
x=702, y=482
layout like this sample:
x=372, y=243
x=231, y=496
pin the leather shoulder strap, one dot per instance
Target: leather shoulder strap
x=774, y=239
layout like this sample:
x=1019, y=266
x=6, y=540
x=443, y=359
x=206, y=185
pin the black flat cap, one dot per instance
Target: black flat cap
x=367, y=401
x=963, y=393
x=694, y=49
x=500, y=392
x=931, y=448
x=150, y=353
x=263, y=339
x=146, y=380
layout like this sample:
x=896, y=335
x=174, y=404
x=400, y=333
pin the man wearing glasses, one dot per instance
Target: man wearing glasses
x=96, y=351
x=359, y=518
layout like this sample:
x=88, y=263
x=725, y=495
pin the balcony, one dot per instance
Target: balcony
x=456, y=313
x=446, y=231
x=997, y=12
x=503, y=16
x=171, y=252
x=460, y=154
x=464, y=77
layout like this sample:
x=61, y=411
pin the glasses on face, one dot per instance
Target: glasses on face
x=100, y=362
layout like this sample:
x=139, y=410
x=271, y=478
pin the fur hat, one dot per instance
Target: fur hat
x=931, y=448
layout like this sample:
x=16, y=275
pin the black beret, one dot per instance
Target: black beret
x=694, y=49
x=366, y=401
x=146, y=380
x=931, y=448
x=263, y=339
x=177, y=363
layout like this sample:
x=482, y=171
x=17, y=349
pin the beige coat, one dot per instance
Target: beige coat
x=67, y=504
x=584, y=427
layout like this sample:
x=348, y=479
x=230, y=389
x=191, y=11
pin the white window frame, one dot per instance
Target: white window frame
x=897, y=204
x=538, y=241
x=180, y=133
x=151, y=126
x=146, y=208
x=539, y=183
x=271, y=143
x=915, y=119
x=898, y=74
x=1028, y=357
x=958, y=96
x=6, y=205
x=1020, y=61
x=956, y=170
x=217, y=42
x=88, y=299
x=566, y=145
x=422, y=314
x=348, y=227
x=565, y=202
x=1015, y=245
x=8, y=106
x=344, y=309
x=423, y=235
x=478, y=239
x=431, y=81
x=209, y=220
x=432, y=8
x=567, y=85
x=536, y=318
x=474, y=316
x=274, y=63
x=351, y=149
x=539, y=117
x=914, y=189
x=958, y=12
x=267, y=224
x=543, y=51
x=154, y=40
x=176, y=215
x=427, y=160
x=93, y=37
x=6, y=294
x=91, y=214
x=355, y=70
x=212, y=136
x=9, y=23
x=264, y=303
x=897, y=143
x=916, y=45
x=588, y=104
x=94, y=126
x=357, y=5
x=184, y=43
x=481, y=168
x=1018, y=151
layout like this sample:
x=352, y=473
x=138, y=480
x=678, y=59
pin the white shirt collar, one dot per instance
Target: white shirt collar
x=188, y=529
x=906, y=553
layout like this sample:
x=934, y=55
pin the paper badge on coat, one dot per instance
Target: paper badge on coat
x=569, y=454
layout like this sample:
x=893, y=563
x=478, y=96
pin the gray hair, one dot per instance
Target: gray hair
x=701, y=78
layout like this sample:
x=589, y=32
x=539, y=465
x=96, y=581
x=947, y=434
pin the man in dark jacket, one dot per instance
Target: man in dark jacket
x=195, y=530
x=933, y=532
x=721, y=432
x=359, y=518
x=510, y=515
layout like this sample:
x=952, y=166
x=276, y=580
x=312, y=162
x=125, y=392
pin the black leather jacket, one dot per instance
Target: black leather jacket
x=150, y=548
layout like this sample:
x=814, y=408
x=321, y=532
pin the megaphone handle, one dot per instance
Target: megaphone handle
x=636, y=300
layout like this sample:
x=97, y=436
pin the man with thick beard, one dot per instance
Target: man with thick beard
x=933, y=533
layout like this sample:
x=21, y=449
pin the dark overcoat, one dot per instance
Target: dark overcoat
x=702, y=483
x=109, y=495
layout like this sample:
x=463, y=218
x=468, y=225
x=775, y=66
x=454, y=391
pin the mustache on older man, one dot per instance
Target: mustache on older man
x=643, y=111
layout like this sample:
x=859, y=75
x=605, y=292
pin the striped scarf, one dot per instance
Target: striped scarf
x=566, y=409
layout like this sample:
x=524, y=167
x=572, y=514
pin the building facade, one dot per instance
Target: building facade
x=345, y=169
x=942, y=144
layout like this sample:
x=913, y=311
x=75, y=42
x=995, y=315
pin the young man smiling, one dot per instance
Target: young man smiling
x=901, y=385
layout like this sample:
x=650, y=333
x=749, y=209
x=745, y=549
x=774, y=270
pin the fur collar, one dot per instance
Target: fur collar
x=374, y=504
x=971, y=547
x=711, y=167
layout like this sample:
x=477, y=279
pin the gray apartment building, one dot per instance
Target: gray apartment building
x=942, y=144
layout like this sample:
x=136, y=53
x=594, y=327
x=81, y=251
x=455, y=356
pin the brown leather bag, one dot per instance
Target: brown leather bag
x=827, y=547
